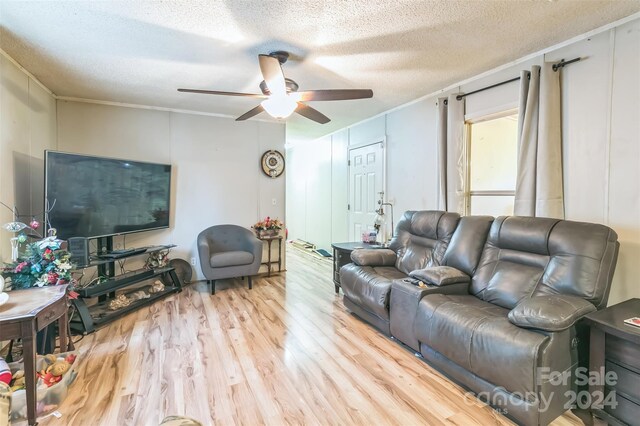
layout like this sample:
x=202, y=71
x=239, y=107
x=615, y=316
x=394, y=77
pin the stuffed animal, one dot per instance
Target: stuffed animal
x=53, y=374
x=49, y=359
x=5, y=403
x=18, y=381
x=5, y=372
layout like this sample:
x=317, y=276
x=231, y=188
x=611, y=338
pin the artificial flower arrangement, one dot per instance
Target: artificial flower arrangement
x=43, y=263
x=268, y=224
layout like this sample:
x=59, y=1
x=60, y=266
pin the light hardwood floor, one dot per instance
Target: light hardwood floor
x=286, y=352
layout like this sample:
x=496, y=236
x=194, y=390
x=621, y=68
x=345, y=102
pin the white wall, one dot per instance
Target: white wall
x=27, y=128
x=216, y=164
x=601, y=132
x=309, y=202
x=339, y=186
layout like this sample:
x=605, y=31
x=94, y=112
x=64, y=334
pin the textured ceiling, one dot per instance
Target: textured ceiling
x=142, y=51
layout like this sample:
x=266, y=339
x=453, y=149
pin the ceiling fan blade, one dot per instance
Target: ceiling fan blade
x=257, y=110
x=335, y=94
x=312, y=114
x=272, y=74
x=216, y=92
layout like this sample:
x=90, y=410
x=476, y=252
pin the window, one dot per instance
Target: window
x=492, y=165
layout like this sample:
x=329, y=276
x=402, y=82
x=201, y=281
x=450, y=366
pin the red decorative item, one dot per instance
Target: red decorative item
x=34, y=224
x=5, y=372
x=49, y=379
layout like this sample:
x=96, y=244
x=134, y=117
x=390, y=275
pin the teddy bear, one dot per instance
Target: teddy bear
x=18, y=382
x=53, y=374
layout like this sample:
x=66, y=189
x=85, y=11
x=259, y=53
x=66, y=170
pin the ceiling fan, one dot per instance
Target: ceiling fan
x=281, y=96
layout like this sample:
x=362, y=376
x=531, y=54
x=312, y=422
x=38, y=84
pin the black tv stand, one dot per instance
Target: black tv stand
x=94, y=315
x=124, y=251
x=119, y=254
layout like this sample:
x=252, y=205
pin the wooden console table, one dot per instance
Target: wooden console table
x=27, y=312
x=269, y=262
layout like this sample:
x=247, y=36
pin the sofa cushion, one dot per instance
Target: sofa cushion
x=511, y=282
x=230, y=258
x=467, y=242
x=421, y=239
x=478, y=336
x=389, y=272
x=529, y=256
x=369, y=287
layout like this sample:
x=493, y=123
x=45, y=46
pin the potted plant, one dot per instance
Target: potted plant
x=43, y=263
x=268, y=227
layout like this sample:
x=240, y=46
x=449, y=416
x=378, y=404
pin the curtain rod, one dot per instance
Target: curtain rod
x=555, y=67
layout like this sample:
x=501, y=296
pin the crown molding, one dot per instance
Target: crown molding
x=25, y=71
x=139, y=106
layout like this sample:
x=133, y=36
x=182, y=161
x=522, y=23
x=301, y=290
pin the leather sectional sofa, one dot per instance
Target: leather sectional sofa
x=495, y=304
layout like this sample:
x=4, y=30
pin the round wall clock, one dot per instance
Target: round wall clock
x=272, y=163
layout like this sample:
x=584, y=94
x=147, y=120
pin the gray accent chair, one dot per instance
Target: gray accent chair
x=420, y=241
x=229, y=251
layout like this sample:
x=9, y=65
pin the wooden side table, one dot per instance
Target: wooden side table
x=27, y=312
x=342, y=256
x=269, y=262
x=615, y=347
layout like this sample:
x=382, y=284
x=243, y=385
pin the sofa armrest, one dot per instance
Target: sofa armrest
x=374, y=257
x=440, y=276
x=550, y=313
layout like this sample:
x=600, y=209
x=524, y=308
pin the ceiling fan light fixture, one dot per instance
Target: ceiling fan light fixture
x=281, y=93
x=279, y=106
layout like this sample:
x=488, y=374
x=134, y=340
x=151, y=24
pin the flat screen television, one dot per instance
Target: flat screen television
x=95, y=197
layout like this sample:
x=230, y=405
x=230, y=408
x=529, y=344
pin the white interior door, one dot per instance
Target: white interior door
x=366, y=181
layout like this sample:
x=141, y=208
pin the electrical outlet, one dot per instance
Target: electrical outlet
x=193, y=261
x=274, y=201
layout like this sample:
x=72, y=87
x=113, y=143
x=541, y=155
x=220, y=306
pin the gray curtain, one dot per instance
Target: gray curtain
x=456, y=155
x=451, y=154
x=442, y=153
x=539, y=190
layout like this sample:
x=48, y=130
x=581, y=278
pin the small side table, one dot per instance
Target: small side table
x=26, y=313
x=615, y=347
x=342, y=256
x=269, y=262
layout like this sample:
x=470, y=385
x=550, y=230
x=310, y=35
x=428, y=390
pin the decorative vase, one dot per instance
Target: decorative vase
x=268, y=233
